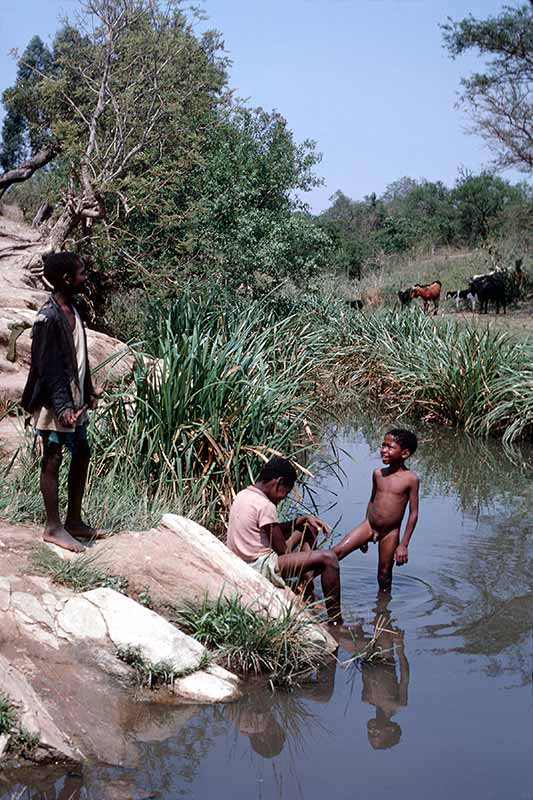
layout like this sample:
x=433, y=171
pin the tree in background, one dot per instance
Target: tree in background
x=500, y=99
x=126, y=84
x=480, y=202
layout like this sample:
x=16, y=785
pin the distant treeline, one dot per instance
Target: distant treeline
x=420, y=214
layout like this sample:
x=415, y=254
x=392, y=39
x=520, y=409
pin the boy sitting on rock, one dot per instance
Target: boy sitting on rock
x=270, y=547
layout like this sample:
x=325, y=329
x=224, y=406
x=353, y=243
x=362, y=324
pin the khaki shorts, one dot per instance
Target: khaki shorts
x=267, y=566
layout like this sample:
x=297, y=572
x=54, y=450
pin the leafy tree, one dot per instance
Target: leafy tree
x=500, y=99
x=479, y=201
x=129, y=84
x=234, y=215
x=26, y=127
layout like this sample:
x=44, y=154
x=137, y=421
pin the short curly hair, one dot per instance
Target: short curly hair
x=406, y=439
x=278, y=467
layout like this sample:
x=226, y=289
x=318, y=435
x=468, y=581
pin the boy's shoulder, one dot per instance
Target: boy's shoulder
x=411, y=476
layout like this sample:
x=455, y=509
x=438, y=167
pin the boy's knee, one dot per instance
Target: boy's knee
x=329, y=559
x=52, y=458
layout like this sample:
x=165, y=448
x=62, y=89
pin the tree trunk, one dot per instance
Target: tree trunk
x=27, y=169
x=44, y=212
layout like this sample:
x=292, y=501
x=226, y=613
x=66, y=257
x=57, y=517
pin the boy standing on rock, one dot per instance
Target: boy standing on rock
x=58, y=393
x=281, y=549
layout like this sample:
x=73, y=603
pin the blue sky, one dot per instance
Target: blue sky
x=367, y=79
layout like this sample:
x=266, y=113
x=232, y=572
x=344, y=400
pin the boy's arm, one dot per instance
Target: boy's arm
x=47, y=357
x=373, y=492
x=307, y=520
x=400, y=554
x=274, y=533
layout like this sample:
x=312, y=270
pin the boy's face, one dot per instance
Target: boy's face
x=278, y=491
x=391, y=451
x=78, y=279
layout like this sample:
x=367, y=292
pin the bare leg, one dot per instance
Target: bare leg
x=54, y=532
x=77, y=478
x=357, y=538
x=387, y=546
x=303, y=541
x=319, y=562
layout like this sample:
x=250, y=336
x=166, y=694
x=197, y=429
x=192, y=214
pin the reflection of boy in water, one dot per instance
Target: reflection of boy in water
x=268, y=719
x=381, y=687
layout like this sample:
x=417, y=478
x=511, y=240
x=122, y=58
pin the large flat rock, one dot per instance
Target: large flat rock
x=182, y=562
x=59, y=664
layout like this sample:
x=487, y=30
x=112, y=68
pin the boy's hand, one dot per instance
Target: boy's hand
x=93, y=402
x=400, y=555
x=312, y=522
x=68, y=418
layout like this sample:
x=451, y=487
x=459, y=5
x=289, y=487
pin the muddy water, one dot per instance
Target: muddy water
x=447, y=715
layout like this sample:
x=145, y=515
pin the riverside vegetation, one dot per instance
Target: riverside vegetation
x=237, y=380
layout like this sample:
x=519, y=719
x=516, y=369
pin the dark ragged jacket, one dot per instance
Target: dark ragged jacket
x=53, y=379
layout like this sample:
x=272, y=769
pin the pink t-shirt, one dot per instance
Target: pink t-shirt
x=251, y=510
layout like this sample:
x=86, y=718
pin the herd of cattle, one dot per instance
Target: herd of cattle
x=482, y=289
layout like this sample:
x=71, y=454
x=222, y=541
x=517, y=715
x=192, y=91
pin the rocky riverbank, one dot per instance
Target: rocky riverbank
x=62, y=652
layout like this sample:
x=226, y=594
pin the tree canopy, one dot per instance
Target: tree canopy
x=499, y=99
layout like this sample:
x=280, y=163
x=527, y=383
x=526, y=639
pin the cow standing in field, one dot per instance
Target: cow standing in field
x=462, y=294
x=428, y=293
x=490, y=287
x=404, y=297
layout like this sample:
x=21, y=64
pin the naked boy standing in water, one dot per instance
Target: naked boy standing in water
x=393, y=488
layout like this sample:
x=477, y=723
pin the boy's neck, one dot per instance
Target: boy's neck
x=399, y=465
x=63, y=298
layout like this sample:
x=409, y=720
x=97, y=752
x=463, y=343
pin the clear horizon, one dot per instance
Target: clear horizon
x=368, y=80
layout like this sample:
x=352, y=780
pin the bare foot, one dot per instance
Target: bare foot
x=82, y=531
x=61, y=538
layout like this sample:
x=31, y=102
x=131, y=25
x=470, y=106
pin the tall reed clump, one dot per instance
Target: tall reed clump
x=478, y=379
x=228, y=387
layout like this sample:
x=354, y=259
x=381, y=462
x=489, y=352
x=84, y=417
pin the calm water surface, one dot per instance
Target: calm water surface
x=449, y=717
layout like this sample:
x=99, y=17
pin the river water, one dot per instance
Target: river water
x=447, y=714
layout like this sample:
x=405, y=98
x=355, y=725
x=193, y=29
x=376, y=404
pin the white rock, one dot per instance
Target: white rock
x=5, y=594
x=4, y=741
x=30, y=609
x=81, y=619
x=131, y=625
x=212, y=685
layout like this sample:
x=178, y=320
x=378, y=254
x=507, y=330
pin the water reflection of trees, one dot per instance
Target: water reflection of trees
x=478, y=471
x=495, y=619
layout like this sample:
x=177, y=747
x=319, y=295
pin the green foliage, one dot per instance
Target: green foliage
x=228, y=211
x=499, y=99
x=82, y=573
x=250, y=640
x=7, y=714
x=26, y=126
x=412, y=215
x=479, y=202
x=478, y=379
x=233, y=385
x=152, y=675
x=116, y=499
x=21, y=742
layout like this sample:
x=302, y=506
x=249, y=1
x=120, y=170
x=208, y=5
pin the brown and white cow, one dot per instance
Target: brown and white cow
x=428, y=293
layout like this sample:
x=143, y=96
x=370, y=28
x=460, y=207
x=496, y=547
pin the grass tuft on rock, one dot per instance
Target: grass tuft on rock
x=249, y=642
x=81, y=573
x=7, y=714
x=21, y=741
x=152, y=675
